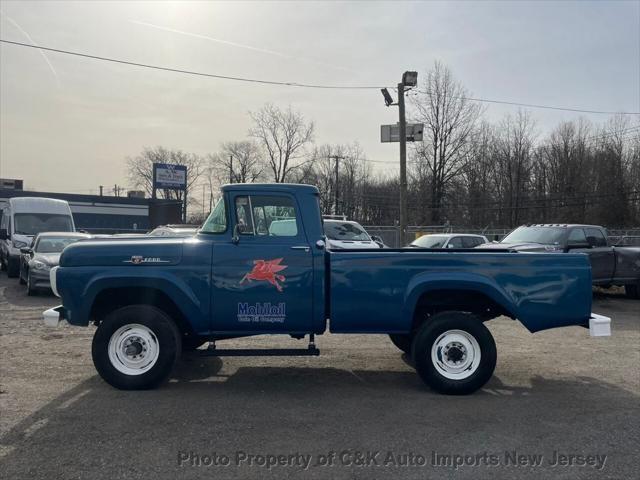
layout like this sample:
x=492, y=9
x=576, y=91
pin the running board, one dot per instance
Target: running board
x=260, y=352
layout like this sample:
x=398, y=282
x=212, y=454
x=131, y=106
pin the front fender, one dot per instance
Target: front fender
x=79, y=287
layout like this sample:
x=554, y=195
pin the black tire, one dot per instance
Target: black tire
x=403, y=342
x=21, y=278
x=30, y=290
x=632, y=290
x=433, y=330
x=192, y=342
x=164, y=332
x=13, y=268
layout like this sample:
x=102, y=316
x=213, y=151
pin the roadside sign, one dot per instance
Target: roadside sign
x=169, y=176
x=391, y=133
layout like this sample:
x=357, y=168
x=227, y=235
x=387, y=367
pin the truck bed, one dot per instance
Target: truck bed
x=541, y=290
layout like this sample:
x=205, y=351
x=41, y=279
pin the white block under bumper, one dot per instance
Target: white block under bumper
x=599, y=326
x=53, y=316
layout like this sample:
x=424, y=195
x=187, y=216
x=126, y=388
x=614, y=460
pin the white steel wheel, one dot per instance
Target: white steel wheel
x=133, y=349
x=455, y=354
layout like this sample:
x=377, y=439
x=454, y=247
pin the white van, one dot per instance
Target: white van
x=24, y=217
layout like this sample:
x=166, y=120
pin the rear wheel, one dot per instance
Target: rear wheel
x=632, y=290
x=135, y=347
x=454, y=353
x=403, y=342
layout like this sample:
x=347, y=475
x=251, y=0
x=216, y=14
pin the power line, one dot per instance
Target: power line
x=531, y=105
x=297, y=84
x=191, y=72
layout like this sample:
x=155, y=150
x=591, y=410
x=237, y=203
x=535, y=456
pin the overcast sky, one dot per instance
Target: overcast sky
x=67, y=123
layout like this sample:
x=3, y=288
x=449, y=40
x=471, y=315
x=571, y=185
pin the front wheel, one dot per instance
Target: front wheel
x=135, y=347
x=454, y=353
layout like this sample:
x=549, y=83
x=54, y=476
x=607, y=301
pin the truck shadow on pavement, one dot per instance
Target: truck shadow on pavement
x=95, y=431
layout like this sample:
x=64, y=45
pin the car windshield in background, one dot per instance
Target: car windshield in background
x=345, y=231
x=54, y=244
x=33, y=223
x=543, y=235
x=430, y=241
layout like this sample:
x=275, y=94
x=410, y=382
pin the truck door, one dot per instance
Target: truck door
x=263, y=278
x=602, y=256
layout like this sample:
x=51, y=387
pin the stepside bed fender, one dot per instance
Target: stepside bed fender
x=433, y=281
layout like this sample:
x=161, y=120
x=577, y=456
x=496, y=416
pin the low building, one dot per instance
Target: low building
x=105, y=214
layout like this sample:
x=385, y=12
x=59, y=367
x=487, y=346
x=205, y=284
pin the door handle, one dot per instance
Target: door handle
x=301, y=247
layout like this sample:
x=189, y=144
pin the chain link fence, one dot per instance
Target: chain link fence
x=390, y=234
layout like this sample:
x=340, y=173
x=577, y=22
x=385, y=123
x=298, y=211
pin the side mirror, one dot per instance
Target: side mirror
x=236, y=234
x=26, y=250
x=3, y=234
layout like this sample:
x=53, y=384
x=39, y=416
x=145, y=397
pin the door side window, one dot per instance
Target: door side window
x=267, y=216
x=455, y=242
x=595, y=237
x=577, y=236
x=470, y=242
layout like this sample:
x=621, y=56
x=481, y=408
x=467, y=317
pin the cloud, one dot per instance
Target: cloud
x=240, y=45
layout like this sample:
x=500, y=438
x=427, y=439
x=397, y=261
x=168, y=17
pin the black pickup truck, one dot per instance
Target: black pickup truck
x=610, y=265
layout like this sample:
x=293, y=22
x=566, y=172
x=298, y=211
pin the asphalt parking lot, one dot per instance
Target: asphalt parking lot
x=357, y=411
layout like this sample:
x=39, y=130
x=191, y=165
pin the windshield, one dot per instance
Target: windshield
x=345, y=231
x=217, y=220
x=54, y=244
x=34, y=223
x=543, y=235
x=430, y=241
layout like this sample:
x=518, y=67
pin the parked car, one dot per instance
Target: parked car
x=25, y=217
x=44, y=253
x=152, y=299
x=177, y=230
x=449, y=240
x=610, y=265
x=345, y=234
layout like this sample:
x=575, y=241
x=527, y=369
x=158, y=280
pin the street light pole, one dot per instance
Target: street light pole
x=403, y=164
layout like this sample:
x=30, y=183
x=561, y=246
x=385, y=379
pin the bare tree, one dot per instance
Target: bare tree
x=449, y=118
x=140, y=169
x=283, y=134
x=238, y=162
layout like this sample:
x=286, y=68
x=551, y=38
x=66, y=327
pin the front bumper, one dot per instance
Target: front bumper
x=40, y=278
x=599, y=326
x=53, y=316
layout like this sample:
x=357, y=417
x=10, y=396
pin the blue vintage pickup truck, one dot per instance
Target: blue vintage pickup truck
x=259, y=265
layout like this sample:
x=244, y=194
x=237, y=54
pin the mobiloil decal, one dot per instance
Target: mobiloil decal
x=262, y=312
x=266, y=271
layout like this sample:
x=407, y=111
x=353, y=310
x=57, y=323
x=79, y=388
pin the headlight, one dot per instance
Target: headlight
x=38, y=265
x=19, y=244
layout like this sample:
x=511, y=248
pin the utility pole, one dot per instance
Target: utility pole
x=230, y=168
x=403, y=163
x=101, y=187
x=336, y=194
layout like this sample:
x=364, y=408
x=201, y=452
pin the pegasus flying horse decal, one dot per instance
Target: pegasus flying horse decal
x=267, y=271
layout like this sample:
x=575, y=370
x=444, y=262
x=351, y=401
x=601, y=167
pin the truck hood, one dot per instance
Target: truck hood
x=522, y=247
x=135, y=252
